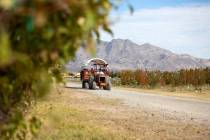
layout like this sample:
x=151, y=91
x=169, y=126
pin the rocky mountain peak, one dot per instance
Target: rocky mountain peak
x=124, y=54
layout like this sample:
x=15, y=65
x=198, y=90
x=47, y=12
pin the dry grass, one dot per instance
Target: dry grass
x=65, y=117
x=73, y=115
x=204, y=94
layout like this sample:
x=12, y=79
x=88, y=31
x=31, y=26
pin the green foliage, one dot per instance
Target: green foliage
x=36, y=38
x=5, y=49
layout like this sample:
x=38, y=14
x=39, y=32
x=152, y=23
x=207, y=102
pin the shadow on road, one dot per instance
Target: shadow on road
x=77, y=86
x=72, y=87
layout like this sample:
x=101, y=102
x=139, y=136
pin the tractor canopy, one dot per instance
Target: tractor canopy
x=96, y=61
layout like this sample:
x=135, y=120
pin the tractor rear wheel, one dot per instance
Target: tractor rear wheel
x=108, y=84
x=85, y=84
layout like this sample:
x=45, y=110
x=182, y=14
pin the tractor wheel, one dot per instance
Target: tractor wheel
x=108, y=84
x=85, y=84
x=92, y=84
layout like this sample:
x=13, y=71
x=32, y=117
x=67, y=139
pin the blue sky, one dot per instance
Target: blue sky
x=139, y=4
x=181, y=26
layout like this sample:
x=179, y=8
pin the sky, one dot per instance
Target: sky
x=181, y=26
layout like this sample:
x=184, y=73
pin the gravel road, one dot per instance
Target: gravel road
x=182, y=108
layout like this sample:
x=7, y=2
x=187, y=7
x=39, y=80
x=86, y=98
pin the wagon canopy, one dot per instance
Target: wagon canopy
x=97, y=61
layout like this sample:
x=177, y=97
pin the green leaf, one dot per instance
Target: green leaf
x=30, y=24
x=5, y=52
x=90, y=20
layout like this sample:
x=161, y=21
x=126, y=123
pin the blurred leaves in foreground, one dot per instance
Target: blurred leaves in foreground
x=5, y=52
x=37, y=37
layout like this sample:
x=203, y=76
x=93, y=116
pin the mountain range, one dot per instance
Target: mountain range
x=125, y=54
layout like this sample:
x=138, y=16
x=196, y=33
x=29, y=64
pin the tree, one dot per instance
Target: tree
x=153, y=79
x=127, y=77
x=36, y=38
x=142, y=77
x=207, y=75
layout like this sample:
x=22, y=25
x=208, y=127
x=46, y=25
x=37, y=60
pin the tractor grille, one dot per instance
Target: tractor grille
x=102, y=79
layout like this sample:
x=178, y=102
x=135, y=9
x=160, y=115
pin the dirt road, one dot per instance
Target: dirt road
x=185, y=109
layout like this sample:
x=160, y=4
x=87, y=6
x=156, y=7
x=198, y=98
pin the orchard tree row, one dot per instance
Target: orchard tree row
x=195, y=77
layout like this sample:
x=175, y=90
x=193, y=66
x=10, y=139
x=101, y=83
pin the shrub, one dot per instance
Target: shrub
x=37, y=37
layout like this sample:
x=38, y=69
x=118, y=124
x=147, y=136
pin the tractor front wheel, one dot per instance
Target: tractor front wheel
x=92, y=84
x=108, y=84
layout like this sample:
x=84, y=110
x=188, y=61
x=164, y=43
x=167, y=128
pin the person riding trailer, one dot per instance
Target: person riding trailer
x=97, y=75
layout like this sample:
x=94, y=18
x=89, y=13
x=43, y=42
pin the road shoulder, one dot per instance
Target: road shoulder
x=205, y=96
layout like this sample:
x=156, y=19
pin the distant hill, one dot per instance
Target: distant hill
x=124, y=54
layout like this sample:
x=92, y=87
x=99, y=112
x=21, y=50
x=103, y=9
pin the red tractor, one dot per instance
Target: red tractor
x=95, y=73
